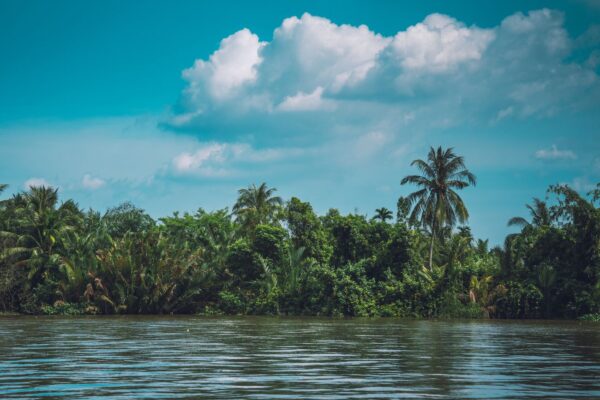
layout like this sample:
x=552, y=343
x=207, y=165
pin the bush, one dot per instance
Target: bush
x=519, y=301
x=452, y=307
x=353, y=291
x=267, y=303
x=230, y=303
x=590, y=317
x=62, y=308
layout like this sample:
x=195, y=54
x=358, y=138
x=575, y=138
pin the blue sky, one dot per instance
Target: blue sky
x=175, y=106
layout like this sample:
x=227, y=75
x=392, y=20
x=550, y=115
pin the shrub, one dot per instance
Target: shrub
x=230, y=303
x=519, y=301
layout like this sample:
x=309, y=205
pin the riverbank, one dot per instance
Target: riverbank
x=80, y=310
x=291, y=261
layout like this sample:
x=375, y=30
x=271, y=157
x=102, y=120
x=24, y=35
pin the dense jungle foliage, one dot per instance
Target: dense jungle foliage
x=272, y=257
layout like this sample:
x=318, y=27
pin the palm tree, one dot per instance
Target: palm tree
x=256, y=205
x=41, y=226
x=540, y=215
x=482, y=247
x=383, y=214
x=294, y=267
x=437, y=204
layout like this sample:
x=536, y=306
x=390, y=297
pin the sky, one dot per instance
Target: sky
x=176, y=105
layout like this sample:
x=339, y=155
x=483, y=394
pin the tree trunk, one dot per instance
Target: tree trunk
x=431, y=249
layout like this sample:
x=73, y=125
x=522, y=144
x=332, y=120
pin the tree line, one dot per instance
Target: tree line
x=275, y=257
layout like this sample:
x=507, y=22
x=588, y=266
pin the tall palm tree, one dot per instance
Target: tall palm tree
x=256, y=205
x=383, y=214
x=437, y=205
x=540, y=215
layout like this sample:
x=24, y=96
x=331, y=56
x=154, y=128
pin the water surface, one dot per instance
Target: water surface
x=269, y=358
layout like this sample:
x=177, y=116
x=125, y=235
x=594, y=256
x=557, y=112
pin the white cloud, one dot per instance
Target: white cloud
x=314, y=51
x=222, y=159
x=504, y=113
x=439, y=70
x=306, y=102
x=93, y=183
x=347, y=90
x=230, y=67
x=210, y=154
x=36, y=182
x=553, y=153
x=439, y=43
x=543, y=26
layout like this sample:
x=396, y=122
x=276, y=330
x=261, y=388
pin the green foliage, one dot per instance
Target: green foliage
x=256, y=205
x=519, y=301
x=383, y=214
x=402, y=210
x=436, y=205
x=230, y=303
x=350, y=237
x=273, y=259
x=353, y=291
x=590, y=317
x=61, y=308
x=452, y=307
x=306, y=230
x=126, y=218
x=242, y=263
x=269, y=242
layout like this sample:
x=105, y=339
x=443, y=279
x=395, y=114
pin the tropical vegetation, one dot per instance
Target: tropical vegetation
x=274, y=257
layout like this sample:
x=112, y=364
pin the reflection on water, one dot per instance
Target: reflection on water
x=154, y=357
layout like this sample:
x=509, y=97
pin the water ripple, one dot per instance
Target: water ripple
x=282, y=358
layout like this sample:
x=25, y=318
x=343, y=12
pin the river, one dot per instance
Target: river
x=270, y=358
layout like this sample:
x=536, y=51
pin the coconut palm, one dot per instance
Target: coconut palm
x=40, y=225
x=482, y=247
x=540, y=215
x=256, y=205
x=383, y=214
x=436, y=204
x=294, y=267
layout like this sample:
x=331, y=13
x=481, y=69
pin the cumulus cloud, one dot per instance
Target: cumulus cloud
x=439, y=43
x=36, y=182
x=92, y=183
x=345, y=90
x=306, y=102
x=202, y=160
x=311, y=51
x=553, y=153
x=228, y=69
x=354, y=80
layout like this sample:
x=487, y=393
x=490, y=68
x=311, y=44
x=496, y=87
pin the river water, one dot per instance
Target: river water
x=270, y=358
